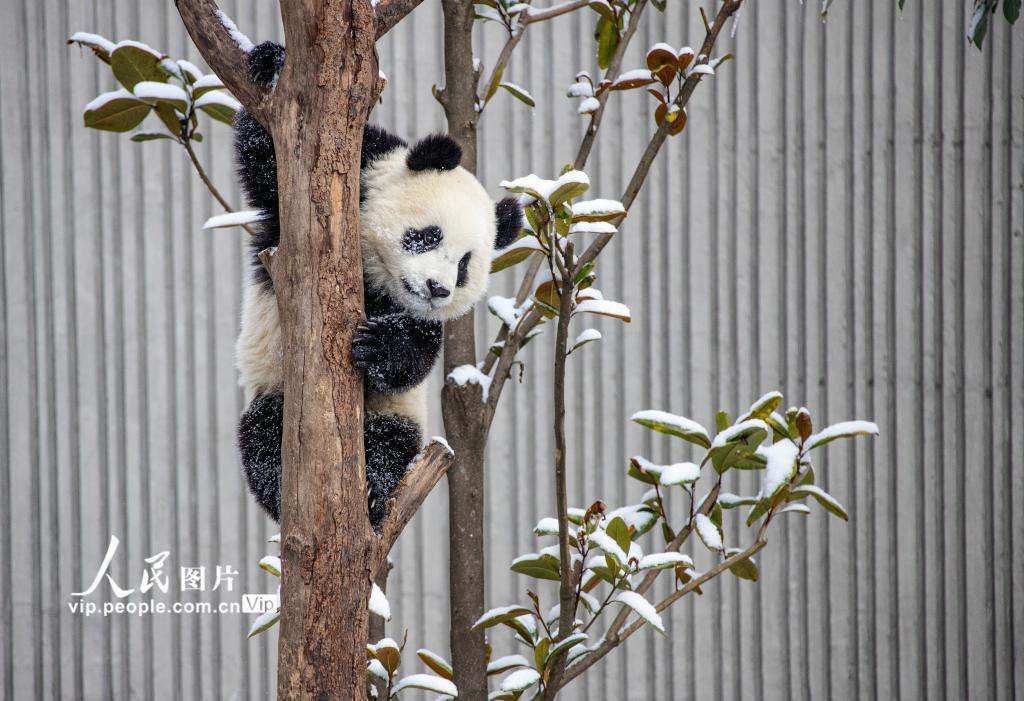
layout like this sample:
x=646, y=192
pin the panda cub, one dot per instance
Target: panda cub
x=427, y=230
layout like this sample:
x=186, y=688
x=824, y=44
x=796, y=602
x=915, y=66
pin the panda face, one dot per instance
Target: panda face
x=427, y=235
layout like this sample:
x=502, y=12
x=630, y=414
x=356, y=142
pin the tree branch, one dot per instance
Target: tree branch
x=391, y=12
x=424, y=473
x=187, y=143
x=217, y=39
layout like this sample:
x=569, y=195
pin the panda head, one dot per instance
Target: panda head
x=428, y=227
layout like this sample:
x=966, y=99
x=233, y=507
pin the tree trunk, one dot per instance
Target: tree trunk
x=462, y=406
x=327, y=545
x=316, y=114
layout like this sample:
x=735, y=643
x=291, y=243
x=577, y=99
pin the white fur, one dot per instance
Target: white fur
x=453, y=200
x=397, y=199
x=258, y=352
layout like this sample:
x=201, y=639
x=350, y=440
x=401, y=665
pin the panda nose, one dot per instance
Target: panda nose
x=437, y=289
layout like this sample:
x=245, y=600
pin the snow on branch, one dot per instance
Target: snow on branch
x=224, y=48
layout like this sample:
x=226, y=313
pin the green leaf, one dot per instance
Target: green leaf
x=133, y=63
x=264, y=622
x=607, y=42
x=673, y=425
x=731, y=501
x=845, y=429
x=116, y=111
x=759, y=510
x=219, y=105
x=436, y=663
x=495, y=82
x=272, y=564
x=619, y=532
x=566, y=643
x=744, y=569
x=978, y=25
x=1011, y=10
x=502, y=614
x=763, y=407
x=538, y=566
x=207, y=83
x=602, y=8
x=166, y=114
x=153, y=135
x=519, y=93
x=824, y=498
x=519, y=251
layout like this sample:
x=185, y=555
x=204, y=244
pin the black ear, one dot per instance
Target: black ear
x=434, y=152
x=265, y=62
x=510, y=221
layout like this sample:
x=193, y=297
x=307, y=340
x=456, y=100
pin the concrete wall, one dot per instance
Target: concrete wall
x=841, y=220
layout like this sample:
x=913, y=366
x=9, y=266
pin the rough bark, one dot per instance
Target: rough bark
x=461, y=407
x=316, y=114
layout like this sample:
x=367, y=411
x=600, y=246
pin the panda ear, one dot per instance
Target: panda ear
x=510, y=221
x=265, y=62
x=434, y=152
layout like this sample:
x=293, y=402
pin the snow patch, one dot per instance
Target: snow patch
x=470, y=374
x=247, y=216
x=244, y=43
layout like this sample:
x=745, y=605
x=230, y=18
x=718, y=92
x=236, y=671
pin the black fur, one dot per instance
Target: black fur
x=259, y=443
x=510, y=221
x=395, y=351
x=434, y=152
x=418, y=241
x=265, y=62
x=391, y=442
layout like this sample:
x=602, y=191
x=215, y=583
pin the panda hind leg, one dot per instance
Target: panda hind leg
x=391, y=442
x=260, y=432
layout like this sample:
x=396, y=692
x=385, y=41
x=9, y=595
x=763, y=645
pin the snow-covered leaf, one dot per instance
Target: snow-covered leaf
x=504, y=664
x=540, y=566
x=436, y=663
x=845, y=429
x=570, y=184
x=636, y=78
x=520, y=680
x=221, y=221
x=118, y=110
x=379, y=603
x=205, y=84
x=588, y=105
x=501, y=614
x=796, y=509
x=763, y=407
x=101, y=46
x=664, y=561
x=264, y=621
x=673, y=425
x=376, y=670
x=604, y=307
x=824, y=498
x=780, y=468
x=643, y=608
x=153, y=91
x=640, y=517
x=586, y=336
x=731, y=501
x=272, y=564
x=133, y=62
x=744, y=569
x=219, y=105
x=519, y=92
x=680, y=473
x=742, y=432
x=605, y=542
x=426, y=682
x=566, y=643
x=388, y=652
x=708, y=533
x=597, y=210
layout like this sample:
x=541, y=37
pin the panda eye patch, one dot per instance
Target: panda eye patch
x=463, y=270
x=422, y=240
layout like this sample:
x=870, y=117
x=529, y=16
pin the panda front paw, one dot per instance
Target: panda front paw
x=367, y=345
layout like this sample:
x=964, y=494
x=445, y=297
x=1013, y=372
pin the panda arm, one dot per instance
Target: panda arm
x=396, y=351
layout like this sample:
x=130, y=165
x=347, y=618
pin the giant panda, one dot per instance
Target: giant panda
x=427, y=231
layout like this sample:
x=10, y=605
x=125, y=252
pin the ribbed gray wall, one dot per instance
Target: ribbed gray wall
x=841, y=220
